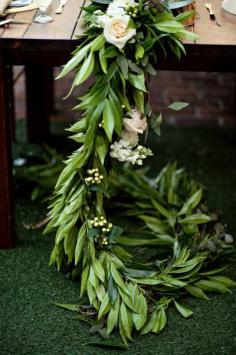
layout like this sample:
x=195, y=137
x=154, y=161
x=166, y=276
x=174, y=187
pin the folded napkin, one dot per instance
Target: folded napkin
x=3, y=6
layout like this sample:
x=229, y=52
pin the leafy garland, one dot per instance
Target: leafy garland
x=120, y=48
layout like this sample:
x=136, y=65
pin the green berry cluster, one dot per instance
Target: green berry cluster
x=94, y=177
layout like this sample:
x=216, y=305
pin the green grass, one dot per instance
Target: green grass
x=31, y=324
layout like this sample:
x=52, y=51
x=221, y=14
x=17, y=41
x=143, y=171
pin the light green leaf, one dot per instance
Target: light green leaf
x=211, y=286
x=103, y=60
x=98, y=269
x=161, y=209
x=123, y=65
x=113, y=316
x=108, y=119
x=177, y=106
x=71, y=307
x=84, y=280
x=191, y=203
x=169, y=26
x=140, y=319
x=137, y=81
x=93, y=278
x=101, y=147
x=104, y=307
x=79, y=244
x=223, y=280
x=184, y=311
x=98, y=43
x=126, y=320
x=185, y=15
x=85, y=70
x=139, y=51
x=74, y=61
x=118, y=279
x=197, y=218
x=196, y=292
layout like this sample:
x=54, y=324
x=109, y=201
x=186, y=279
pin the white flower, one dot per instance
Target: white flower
x=228, y=239
x=123, y=152
x=117, y=31
x=135, y=123
x=117, y=7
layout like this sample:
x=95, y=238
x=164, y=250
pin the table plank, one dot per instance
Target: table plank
x=79, y=29
x=63, y=25
x=207, y=29
x=18, y=31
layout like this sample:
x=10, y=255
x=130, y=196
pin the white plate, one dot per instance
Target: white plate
x=20, y=3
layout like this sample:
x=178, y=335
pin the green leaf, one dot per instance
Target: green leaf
x=112, y=319
x=85, y=70
x=169, y=26
x=197, y=218
x=84, y=280
x=161, y=209
x=117, y=277
x=137, y=81
x=213, y=272
x=160, y=321
x=196, y=292
x=126, y=320
x=101, y=147
x=98, y=43
x=103, y=60
x=183, y=16
x=139, y=100
x=127, y=300
x=147, y=281
x=98, y=269
x=177, y=106
x=191, y=203
x=108, y=343
x=108, y=119
x=123, y=65
x=211, y=286
x=121, y=253
x=104, y=307
x=71, y=307
x=223, y=280
x=139, y=273
x=139, y=51
x=74, y=61
x=79, y=244
x=112, y=290
x=140, y=319
x=93, y=278
x=156, y=121
x=117, y=112
x=149, y=325
x=184, y=311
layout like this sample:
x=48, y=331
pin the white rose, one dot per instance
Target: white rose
x=117, y=32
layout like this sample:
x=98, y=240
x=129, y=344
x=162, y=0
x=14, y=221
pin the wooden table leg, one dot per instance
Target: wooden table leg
x=39, y=93
x=7, y=227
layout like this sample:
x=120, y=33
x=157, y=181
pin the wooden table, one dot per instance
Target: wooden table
x=40, y=47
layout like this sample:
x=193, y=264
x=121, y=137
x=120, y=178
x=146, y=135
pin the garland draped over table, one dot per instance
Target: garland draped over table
x=120, y=48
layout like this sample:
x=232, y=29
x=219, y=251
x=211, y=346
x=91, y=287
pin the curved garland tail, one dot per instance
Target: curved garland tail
x=120, y=48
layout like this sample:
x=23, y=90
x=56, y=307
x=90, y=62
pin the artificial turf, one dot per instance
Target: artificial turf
x=30, y=323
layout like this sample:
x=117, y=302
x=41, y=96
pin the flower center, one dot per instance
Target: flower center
x=120, y=29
